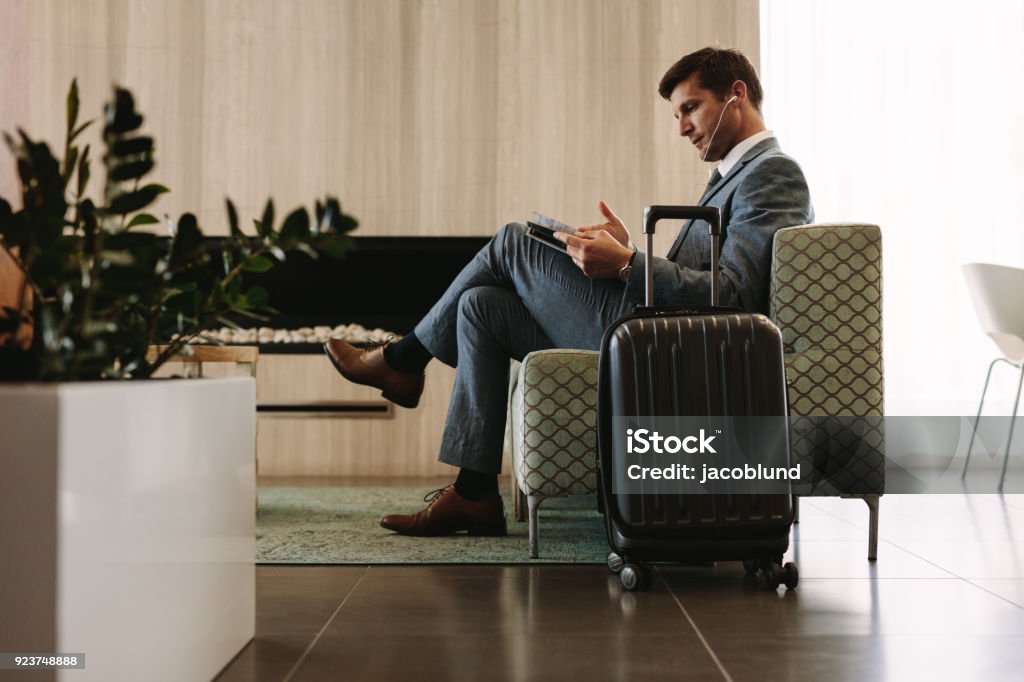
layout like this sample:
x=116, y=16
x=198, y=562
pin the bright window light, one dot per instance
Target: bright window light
x=911, y=115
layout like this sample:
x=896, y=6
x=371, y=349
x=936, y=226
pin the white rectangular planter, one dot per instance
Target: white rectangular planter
x=127, y=525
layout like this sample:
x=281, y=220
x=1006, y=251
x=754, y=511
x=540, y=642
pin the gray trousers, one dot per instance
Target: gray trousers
x=516, y=296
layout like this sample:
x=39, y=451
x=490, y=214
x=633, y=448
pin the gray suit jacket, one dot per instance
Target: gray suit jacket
x=764, y=191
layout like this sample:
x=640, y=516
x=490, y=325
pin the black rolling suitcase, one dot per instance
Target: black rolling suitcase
x=700, y=362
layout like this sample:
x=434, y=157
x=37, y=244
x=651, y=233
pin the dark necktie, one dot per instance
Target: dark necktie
x=713, y=180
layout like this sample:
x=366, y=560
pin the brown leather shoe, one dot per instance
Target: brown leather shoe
x=447, y=513
x=367, y=367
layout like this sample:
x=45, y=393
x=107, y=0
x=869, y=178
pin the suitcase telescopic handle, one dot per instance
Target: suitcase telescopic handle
x=652, y=214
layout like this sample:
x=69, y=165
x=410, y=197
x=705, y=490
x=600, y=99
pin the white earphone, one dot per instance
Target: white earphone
x=708, y=147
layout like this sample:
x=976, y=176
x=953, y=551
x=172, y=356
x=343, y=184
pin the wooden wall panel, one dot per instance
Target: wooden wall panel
x=425, y=117
x=444, y=117
x=15, y=28
x=15, y=33
x=403, y=444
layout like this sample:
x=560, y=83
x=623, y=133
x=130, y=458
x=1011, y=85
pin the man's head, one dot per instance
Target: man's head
x=716, y=97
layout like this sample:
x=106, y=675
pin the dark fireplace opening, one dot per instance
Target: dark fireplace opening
x=384, y=282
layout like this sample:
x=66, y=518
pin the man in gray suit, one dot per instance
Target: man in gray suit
x=517, y=295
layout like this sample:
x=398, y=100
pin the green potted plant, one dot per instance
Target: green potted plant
x=127, y=514
x=102, y=291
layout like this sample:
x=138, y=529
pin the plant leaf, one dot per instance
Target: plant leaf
x=265, y=227
x=336, y=220
x=72, y=106
x=308, y=250
x=83, y=171
x=335, y=246
x=129, y=202
x=296, y=226
x=236, y=231
x=132, y=146
x=187, y=239
x=257, y=264
x=78, y=131
x=130, y=171
x=120, y=114
x=121, y=258
x=142, y=219
x=69, y=164
x=257, y=297
x=255, y=316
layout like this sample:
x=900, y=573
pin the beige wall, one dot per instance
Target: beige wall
x=444, y=117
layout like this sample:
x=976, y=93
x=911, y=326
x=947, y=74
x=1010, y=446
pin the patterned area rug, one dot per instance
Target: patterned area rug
x=340, y=526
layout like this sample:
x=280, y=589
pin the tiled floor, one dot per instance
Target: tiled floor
x=944, y=601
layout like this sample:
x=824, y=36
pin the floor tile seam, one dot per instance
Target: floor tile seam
x=504, y=634
x=713, y=580
x=919, y=579
x=836, y=516
x=402, y=564
x=475, y=578
x=302, y=658
x=924, y=559
x=994, y=594
x=894, y=578
x=969, y=581
x=707, y=646
x=892, y=543
x=804, y=638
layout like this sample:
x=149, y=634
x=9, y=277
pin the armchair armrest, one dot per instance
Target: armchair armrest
x=552, y=422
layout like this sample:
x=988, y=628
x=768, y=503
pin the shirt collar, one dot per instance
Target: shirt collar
x=737, y=152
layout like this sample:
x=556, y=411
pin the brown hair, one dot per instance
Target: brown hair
x=717, y=69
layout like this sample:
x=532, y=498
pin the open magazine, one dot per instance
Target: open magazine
x=543, y=228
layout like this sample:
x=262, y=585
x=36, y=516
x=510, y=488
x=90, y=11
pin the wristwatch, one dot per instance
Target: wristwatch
x=626, y=270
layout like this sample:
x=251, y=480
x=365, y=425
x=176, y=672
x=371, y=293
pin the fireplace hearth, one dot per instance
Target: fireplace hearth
x=353, y=333
x=310, y=421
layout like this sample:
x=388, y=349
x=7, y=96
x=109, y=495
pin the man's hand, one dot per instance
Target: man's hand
x=612, y=225
x=596, y=253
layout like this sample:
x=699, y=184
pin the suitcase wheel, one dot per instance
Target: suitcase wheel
x=636, y=577
x=615, y=562
x=790, y=575
x=775, y=575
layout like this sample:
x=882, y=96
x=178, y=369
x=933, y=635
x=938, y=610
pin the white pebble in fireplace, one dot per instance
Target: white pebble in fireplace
x=353, y=333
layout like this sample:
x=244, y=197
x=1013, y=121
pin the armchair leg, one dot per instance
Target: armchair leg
x=533, y=503
x=872, y=502
x=519, y=511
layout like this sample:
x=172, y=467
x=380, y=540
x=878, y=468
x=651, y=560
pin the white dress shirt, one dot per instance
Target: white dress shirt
x=737, y=152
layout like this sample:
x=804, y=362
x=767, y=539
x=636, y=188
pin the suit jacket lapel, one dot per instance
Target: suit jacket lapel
x=755, y=151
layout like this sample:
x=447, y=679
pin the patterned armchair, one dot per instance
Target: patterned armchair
x=552, y=431
x=825, y=295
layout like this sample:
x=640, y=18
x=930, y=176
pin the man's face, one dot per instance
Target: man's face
x=698, y=111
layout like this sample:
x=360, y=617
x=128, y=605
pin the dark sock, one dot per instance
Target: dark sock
x=476, y=486
x=407, y=354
